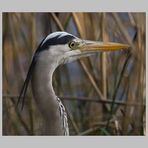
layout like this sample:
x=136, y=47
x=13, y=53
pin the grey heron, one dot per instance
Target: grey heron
x=55, y=49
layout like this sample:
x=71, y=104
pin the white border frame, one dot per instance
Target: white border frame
x=70, y=6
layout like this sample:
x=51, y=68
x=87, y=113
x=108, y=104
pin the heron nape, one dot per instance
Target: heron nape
x=56, y=49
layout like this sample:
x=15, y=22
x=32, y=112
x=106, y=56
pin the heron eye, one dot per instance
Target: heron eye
x=72, y=44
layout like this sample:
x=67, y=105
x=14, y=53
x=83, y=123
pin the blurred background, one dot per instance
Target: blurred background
x=103, y=94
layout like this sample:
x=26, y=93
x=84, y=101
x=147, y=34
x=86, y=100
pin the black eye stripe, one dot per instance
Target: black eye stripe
x=57, y=41
x=57, y=38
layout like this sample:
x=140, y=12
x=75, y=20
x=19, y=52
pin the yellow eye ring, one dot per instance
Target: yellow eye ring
x=72, y=44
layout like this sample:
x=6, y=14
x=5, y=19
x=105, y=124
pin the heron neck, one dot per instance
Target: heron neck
x=45, y=97
x=51, y=108
x=42, y=82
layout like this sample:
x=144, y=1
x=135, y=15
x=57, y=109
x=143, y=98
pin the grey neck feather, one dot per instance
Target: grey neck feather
x=50, y=106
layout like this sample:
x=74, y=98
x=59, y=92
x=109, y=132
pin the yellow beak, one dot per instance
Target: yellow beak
x=91, y=46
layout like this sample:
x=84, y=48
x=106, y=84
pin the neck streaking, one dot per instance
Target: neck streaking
x=49, y=105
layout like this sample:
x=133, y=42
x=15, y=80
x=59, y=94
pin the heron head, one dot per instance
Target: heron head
x=64, y=47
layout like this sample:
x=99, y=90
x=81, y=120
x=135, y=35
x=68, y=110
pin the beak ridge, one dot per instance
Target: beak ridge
x=102, y=46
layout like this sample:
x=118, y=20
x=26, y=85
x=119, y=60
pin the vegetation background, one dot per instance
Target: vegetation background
x=103, y=94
